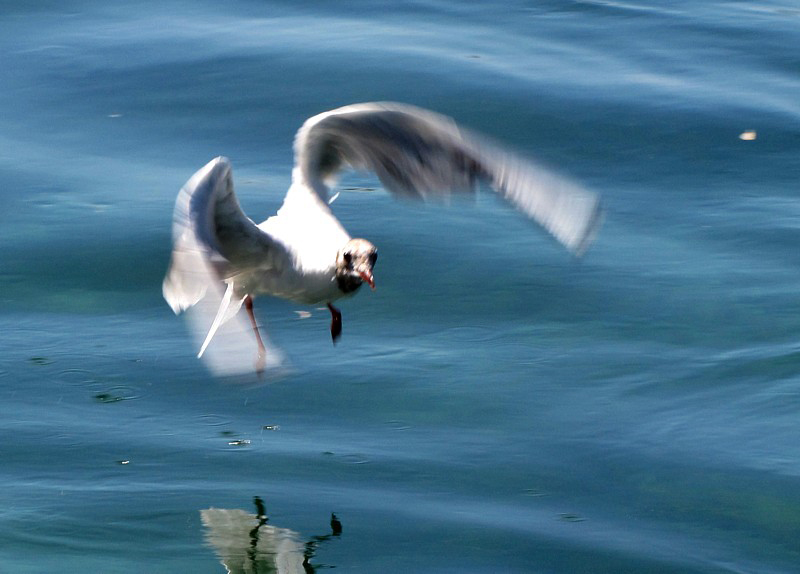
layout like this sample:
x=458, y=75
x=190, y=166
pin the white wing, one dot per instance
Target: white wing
x=213, y=238
x=417, y=153
x=213, y=242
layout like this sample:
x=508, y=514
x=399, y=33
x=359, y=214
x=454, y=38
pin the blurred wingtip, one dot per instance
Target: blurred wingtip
x=592, y=228
x=233, y=354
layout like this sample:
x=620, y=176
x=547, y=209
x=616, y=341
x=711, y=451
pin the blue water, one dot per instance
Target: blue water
x=495, y=405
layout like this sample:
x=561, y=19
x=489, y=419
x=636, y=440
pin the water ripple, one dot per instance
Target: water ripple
x=397, y=425
x=78, y=377
x=352, y=458
x=214, y=420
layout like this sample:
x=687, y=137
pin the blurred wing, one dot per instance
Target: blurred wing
x=213, y=241
x=233, y=352
x=420, y=154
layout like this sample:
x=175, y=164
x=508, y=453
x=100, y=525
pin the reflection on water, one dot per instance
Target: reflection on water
x=247, y=544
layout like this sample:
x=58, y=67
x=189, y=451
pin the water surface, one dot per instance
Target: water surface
x=495, y=405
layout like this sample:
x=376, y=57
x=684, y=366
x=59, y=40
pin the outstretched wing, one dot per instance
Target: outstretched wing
x=417, y=153
x=212, y=239
x=213, y=242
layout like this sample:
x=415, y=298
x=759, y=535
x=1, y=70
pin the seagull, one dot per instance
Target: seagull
x=303, y=253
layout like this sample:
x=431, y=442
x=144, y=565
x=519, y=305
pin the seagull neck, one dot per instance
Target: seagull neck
x=301, y=201
x=305, y=184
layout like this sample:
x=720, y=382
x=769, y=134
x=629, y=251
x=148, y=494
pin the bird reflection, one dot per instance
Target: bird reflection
x=247, y=544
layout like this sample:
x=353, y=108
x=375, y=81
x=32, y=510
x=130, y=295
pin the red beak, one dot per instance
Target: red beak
x=367, y=277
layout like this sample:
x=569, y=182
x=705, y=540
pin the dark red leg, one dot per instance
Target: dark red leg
x=336, y=322
x=262, y=350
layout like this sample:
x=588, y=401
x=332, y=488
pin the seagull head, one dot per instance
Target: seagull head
x=354, y=264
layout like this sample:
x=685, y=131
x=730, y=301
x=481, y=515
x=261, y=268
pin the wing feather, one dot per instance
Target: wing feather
x=417, y=153
x=213, y=240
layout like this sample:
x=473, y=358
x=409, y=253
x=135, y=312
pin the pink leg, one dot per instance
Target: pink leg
x=262, y=350
x=336, y=322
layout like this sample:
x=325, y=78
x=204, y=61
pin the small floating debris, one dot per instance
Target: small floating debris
x=271, y=427
x=114, y=115
x=239, y=442
x=748, y=135
x=116, y=394
x=107, y=398
x=123, y=462
x=303, y=314
x=571, y=517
